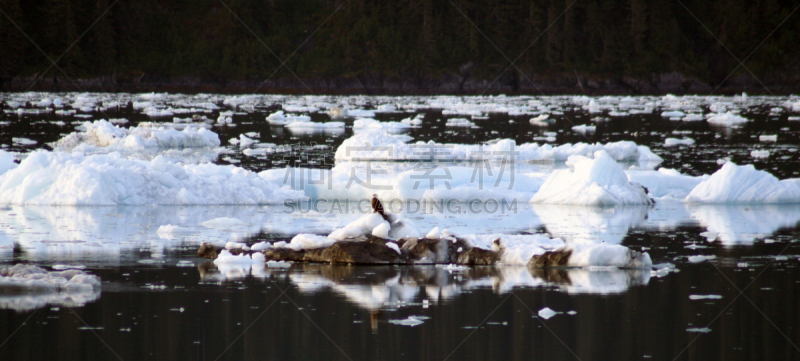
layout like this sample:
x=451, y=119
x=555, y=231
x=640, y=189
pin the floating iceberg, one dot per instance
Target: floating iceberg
x=744, y=184
x=591, y=182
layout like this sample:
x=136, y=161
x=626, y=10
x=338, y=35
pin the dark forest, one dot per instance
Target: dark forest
x=622, y=45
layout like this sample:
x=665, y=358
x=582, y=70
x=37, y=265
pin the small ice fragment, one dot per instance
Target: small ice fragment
x=393, y=246
x=411, y=321
x=698, y=259
x=701, y=330
x=546, y=313
x=705, y=297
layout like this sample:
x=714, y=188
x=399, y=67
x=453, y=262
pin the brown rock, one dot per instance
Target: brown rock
x=557, y=258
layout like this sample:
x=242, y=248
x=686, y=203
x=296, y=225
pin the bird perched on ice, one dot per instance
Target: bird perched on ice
x=377, y=206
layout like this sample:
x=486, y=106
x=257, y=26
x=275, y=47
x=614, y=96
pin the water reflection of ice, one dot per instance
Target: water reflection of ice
x=391, y=288
x=576, y=224
x=104, y=233
x=743, y=224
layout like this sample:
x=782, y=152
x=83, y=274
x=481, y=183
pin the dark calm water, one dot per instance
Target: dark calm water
x=159, y=301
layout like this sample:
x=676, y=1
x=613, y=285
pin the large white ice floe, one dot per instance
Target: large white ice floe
x=591, y=182
x=379, y=145
x=744, y=184
x=26, y=287
x=54, y=178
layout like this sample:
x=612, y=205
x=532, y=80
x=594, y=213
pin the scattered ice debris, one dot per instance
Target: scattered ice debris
x=705, y=297
x=27, y=287
x=411, y=321
x=591, y=182
x=547, y=313
x=700, y=330
x=759, y=154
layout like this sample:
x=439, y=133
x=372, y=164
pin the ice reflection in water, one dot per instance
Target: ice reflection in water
x=107, y=233
x=389, y=288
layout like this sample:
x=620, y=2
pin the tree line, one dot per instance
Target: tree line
x=250, y=39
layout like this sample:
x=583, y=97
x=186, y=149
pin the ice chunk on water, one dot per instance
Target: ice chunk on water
x=546, y=313
x=33, y=287
x=671, y=142
x=727, y=119
x=411, y=321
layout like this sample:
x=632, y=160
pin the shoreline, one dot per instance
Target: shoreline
x=378, y=84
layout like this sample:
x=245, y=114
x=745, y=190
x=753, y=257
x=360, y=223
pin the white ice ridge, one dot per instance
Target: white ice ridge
x=26, y=287
x=591, y=182
x=102, y=133
x=379, y=145
x=55, y=178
